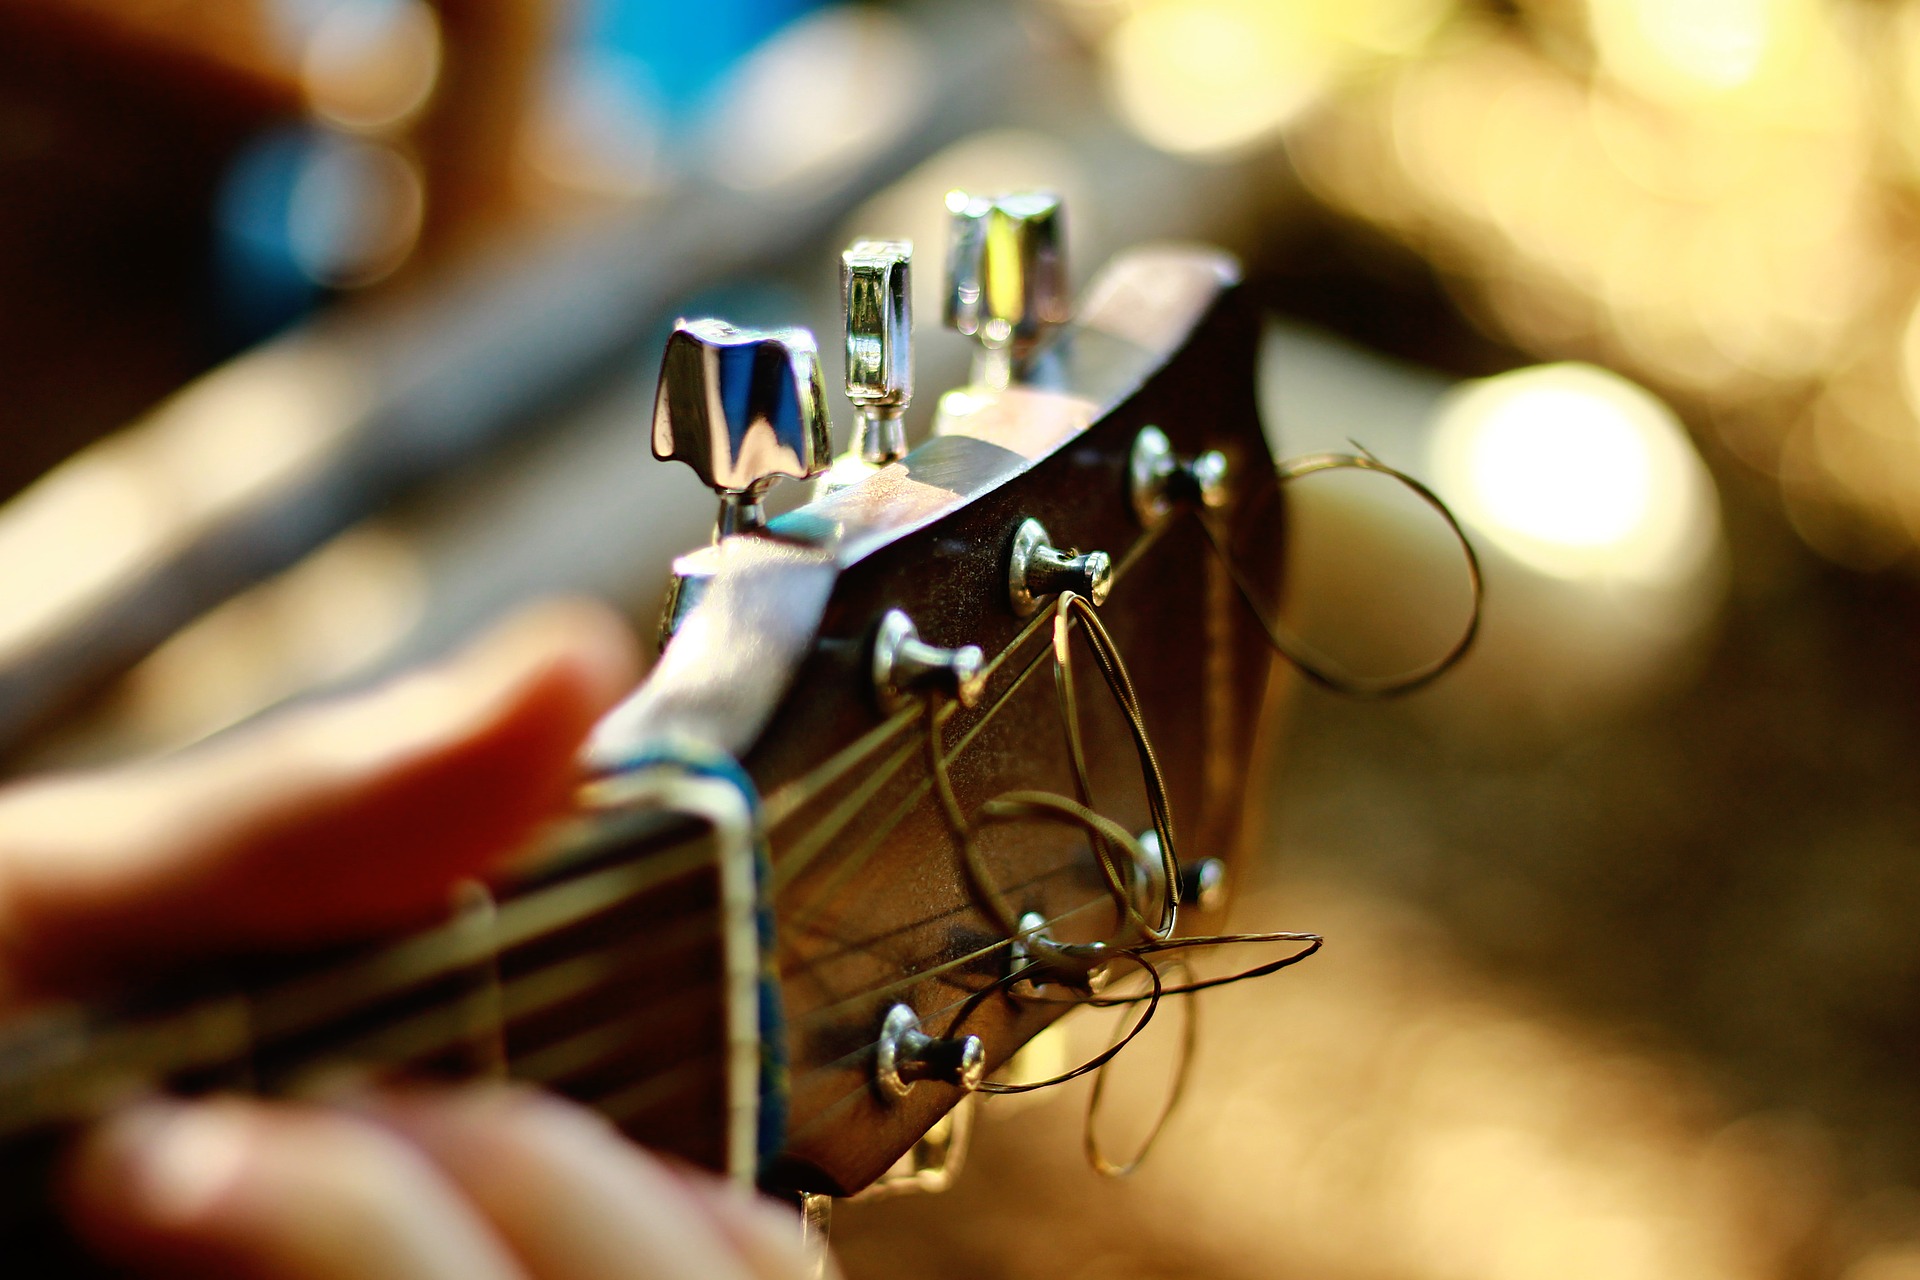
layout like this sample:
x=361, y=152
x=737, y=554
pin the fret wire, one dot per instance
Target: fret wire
x=307, y=1002
x=202, y=1033
x=538, y=991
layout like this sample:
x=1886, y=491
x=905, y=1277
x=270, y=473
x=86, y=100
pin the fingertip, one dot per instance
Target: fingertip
x=580, y=642
x=156, y=1171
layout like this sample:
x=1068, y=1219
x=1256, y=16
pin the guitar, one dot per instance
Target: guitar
x=921, y=761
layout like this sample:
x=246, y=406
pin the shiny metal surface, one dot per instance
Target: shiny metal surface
x=906, y=1055
x=1006, y=277
x=875, y=290
x=1159, y=480
x=932, y=1164
x=1037, y=570
x=905, y=666
x=743, y=408
x=816, y=1226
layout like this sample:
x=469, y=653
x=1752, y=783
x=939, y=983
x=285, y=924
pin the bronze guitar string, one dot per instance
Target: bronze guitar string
x=1320, y=668
x=1072, y=966
x=1011, y=807
x=225, y=1028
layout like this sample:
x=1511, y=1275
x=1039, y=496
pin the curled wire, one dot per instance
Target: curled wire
x=1125, y=866
x=1176, y=1088
x=1319, y=668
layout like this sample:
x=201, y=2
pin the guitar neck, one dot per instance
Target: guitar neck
x=570, y=980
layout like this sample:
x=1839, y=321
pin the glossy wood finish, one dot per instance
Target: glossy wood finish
x=870, y=892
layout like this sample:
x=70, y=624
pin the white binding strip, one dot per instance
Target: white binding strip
x=727, y=811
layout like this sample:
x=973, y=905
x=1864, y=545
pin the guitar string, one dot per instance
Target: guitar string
x=1028, y=805
x=1031, y=804
x=1320, y=668
x=192, y=1033
x=870, y=843
x=425, y=954
x=790, y=797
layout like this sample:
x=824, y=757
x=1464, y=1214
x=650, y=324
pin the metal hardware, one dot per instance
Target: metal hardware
x=743, y=408
x=1085, y=967
x=1037, y=571
x=1203, y=884
x=1006, y=277
x=876, y=292
x=1159, y=481
x=932, y=1163
x=816, y=1225
x=905, y=666
x=1203, y=881
x=906, y=1055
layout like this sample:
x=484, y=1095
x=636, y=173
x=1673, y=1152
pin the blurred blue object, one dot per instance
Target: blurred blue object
x=683, y=49
x=260, y=282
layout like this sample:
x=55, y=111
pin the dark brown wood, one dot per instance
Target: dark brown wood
x=1164, y=339
x=870, y=901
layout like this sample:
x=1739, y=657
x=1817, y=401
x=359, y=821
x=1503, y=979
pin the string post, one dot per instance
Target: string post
x=1159, y=481
x=1203, y=884
x=1035, y=960
x=905, y=667
x=1202, y=881
x=1038, y=571
x=906, y=1055
x=877, y=305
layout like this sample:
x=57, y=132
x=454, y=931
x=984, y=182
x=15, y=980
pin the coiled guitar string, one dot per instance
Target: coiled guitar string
x=1075, y=967
x=1320, y=668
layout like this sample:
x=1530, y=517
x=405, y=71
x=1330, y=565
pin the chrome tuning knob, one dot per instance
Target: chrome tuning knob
x=1006, y=278
x=906, y=1055
x=743, y=408
x=1038, y=571
x=904, y=665
x=1158, y=480
x=877, y=301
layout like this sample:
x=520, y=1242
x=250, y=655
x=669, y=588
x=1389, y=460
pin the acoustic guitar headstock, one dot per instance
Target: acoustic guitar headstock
x=883, y=661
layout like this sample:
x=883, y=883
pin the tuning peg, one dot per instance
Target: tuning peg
x=906, y=1055
x=743, y=408
x=875, y=279
x=1037, y=570
x=904, y=666
x=1158, y=479
x=1006, y=277
x=876, y=297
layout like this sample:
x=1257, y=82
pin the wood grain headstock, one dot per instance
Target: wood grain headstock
x=771, y=660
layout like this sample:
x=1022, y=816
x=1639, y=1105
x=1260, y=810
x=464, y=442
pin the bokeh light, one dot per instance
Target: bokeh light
x=1577, y=473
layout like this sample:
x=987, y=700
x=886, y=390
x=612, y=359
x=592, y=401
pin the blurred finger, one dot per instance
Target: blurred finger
x=321, y=824
x=577, y=1201
x=274, y=1190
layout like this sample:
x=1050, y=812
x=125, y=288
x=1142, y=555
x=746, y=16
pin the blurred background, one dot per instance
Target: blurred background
x=328, y=331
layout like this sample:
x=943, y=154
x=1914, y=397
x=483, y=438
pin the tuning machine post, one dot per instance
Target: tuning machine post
x=1159, y=480
x=743, y=408
x=877, y=304
x=1006, y=279
x=906, y=667
x=905, y=1055
x=1037, y=571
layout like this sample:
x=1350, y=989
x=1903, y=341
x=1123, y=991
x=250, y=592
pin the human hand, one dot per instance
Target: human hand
x=323, y=825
